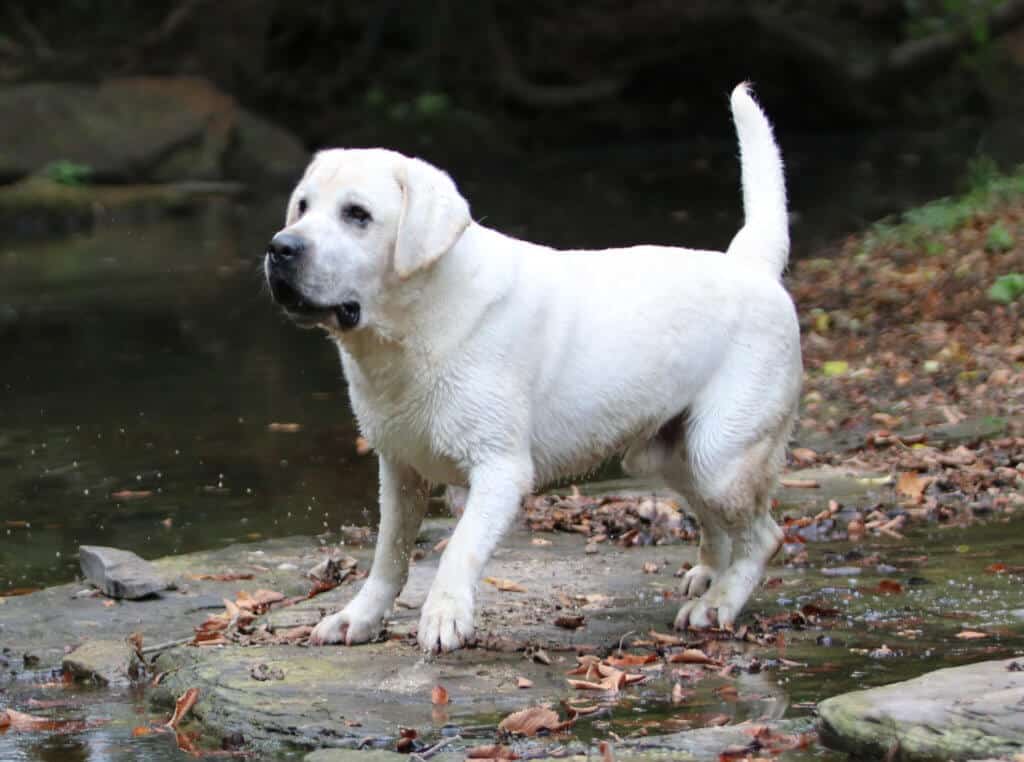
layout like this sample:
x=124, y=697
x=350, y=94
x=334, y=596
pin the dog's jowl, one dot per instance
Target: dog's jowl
x=476, y=359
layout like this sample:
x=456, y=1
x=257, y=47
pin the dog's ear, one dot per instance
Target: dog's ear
x=434, y=215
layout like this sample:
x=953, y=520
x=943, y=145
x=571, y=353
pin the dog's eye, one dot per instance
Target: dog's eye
x=302, y=206
x=356, y=214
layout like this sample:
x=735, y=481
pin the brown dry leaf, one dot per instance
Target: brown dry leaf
x=141, y=730
x=692, y=656
x=888, y=587
x=20, y=722
x=535, y=719
x=285, y=428
x=651, y=568
x=588, y=685
x=226, y=577
x=1001, y=568
x=631, y=660
x=439, y=696
x=491, y=752
x=181, y=707
x=505, y=585
x=971, y=635
x=541, y=657
x=799, y=483
x=570, y=621
x=363, y=446
x=131, y=494
x=679, y=694
x=665, y=640
x=911, y=484
x=804, y=455
x=296, y=634
x=717, y=720
x=259, y=601
x=524, y=682
x=135, y=643
x=728, y=693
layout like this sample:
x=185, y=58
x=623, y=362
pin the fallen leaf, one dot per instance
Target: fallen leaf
x=665, y=640
x=570, y=621
x=888, y=587
x=631, y=660
x=799, y=483
x=225, y=577
x=439, y=696
x=491, y=752
x=540, y=541
x=20, y=722
x=505, y=585
x=692, y=656
x=679, y=694
x=533, y=720
x=131, y=494
x=285, y=428
x=911, y=484
x=1001, y=568
x=363, y=446
x=181, y=707
x=141, y=730
x=804, y=455
x=259, y=601
x=651, y=568
x=718, y=720
x=524, y=682
x=971, y=635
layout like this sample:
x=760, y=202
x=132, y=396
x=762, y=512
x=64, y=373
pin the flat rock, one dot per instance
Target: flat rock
x=120, y=573
x=966, y=712
x=101, y=661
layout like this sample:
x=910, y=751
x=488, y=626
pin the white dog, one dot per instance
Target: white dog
x=476, y=359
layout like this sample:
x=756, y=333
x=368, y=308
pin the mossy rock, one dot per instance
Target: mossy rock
x=968, y=712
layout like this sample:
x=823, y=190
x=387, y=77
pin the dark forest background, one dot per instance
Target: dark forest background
x=538, y=73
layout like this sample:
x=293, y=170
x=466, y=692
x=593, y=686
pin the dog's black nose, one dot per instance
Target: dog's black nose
x=284, y=247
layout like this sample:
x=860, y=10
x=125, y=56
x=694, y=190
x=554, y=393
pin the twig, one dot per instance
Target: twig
x=432, y=750
x=157, y=648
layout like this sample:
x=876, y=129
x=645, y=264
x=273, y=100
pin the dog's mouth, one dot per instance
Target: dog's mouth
x=343, y=316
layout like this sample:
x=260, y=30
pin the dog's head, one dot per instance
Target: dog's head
x=358, y=223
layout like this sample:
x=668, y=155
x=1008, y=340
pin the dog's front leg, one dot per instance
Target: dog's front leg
x=496, y=490
x=403, y=502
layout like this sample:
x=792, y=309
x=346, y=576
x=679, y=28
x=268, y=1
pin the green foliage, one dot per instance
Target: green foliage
x=425, y=107
x=988, y=189
x=999, y=238
x=69, y=173
x=1007, y=288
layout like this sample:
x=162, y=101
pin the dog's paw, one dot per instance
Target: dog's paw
x=446, y=623
x=348, y=626
x=704, y=613
x=697, y=581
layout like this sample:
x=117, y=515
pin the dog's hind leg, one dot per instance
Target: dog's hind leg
x=715, y=551
x=734, y=482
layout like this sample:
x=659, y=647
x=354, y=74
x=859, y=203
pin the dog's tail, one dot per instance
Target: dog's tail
x=764, y=236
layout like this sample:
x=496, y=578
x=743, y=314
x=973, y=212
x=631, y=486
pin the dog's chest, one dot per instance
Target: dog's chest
x=403, y=423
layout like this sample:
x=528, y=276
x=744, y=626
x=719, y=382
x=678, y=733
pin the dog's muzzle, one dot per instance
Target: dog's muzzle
x=284, y=254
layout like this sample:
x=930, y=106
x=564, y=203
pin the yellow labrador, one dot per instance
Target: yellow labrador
x=476, y=359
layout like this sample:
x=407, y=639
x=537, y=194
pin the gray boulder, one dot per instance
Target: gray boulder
x=140, y=129
x=119, y=573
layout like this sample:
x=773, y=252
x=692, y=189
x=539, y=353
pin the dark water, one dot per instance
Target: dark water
x=147, y=357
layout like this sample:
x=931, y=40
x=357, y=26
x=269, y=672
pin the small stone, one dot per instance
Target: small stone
x=119, y=573
x=100, y=661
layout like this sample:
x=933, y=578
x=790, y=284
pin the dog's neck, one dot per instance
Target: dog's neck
x=419, y=322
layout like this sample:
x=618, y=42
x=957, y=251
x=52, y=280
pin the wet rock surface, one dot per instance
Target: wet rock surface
x=970, y=712
x=120, y=573
x=895, y=610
